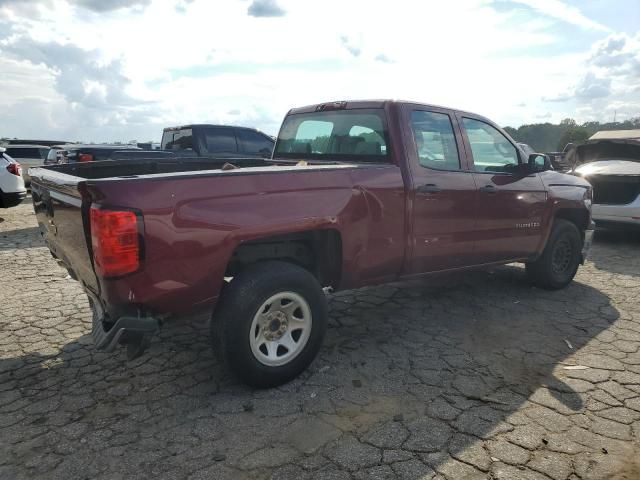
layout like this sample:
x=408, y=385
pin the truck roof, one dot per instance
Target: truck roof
x=376, y=103
x=25, y=145
x=106, y=146
x=30, y=142
x=192, y=125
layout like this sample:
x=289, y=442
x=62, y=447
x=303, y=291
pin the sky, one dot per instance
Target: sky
x=119, y=70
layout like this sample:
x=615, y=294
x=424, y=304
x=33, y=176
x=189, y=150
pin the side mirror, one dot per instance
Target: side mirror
x=539, y=163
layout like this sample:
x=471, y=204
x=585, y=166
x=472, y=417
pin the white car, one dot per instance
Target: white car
x=29, y=156
x=12, y=189
x=612, y=166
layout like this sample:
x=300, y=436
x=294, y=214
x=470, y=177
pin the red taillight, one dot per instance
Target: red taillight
x=14, y=168
x=85, y=157
x=115, y=241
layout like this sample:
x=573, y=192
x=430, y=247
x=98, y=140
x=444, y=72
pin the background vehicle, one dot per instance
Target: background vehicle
x=74, y=153
x=189, y=141
x=28, y=156
x=357, y=193
x=56, y=155
x=22, y=141
x=12, y=189
x=611, y=163
x=219, y=141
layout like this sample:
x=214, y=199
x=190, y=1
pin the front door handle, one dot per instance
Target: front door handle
x=428, y=188
x=488, y=189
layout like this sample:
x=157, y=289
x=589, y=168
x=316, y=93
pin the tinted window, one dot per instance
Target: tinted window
x=220, y=140
x=491, y=150
x=254, y=143
x=435, y=140
x=28, y=152
x=97, y=154
x=177, y=139
x=352, y=135
x=101, y=153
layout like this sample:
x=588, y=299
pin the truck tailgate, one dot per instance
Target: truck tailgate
x=62, y=214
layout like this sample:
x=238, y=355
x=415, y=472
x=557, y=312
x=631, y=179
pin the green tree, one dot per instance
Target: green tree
x=573, y=135
x=549, y=137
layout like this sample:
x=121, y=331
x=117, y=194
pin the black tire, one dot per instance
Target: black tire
x=239, y=304
x=560, y=259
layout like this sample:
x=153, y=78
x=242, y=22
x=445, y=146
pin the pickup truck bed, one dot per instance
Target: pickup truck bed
x=252, y=246
x=180, y=227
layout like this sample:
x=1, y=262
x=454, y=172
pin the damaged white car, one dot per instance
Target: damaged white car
x=612, y=165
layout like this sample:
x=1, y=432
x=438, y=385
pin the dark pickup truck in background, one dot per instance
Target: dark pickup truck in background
x=356, y=193
x=219, y=141
x=188, y=141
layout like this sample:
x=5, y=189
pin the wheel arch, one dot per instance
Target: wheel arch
x=578, y=216
x=318, y=251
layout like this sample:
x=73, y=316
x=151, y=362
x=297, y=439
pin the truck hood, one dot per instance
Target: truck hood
x=553, y=179
x=609, y=167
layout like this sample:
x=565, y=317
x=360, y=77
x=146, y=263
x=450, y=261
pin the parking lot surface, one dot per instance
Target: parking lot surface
x=479, y=376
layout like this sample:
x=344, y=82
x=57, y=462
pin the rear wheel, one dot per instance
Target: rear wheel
x=270, y=323
x=560, y=260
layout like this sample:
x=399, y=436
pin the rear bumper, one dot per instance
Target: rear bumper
x=623, y=214
x=126, y=330
x=13, y=198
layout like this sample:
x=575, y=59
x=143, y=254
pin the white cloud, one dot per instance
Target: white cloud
x=566, y=13
x=265, y=8
x=198, y=61
x=591, y=87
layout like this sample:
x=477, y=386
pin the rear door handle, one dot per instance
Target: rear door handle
x=488, y=189
x=428, y=188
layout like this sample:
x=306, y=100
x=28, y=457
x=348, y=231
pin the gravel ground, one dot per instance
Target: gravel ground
x=479, y=376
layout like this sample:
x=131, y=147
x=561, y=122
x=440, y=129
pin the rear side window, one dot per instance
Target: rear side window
x=435, y=140
x=350, y=135
x=220, y=140
x=177, y=139
x=254, y=143
x=101, y=153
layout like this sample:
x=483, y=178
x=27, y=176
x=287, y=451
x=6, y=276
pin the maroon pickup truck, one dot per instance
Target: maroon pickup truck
x=356, y=193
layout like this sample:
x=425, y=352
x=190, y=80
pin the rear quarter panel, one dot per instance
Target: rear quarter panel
x=193, y=224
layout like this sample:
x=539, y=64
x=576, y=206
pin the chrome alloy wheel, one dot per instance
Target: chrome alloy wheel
x=280, y=329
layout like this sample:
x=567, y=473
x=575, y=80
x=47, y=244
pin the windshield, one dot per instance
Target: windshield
x=351, y=135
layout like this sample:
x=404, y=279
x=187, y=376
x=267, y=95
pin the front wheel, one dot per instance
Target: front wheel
x=560, y=259
x=270, y=323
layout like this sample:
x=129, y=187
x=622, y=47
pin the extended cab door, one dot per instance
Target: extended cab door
x=254, y=143
x=511, y=201
x=217, y=142
x=443, y=193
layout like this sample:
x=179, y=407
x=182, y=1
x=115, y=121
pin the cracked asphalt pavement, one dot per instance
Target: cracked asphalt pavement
x=476, y=376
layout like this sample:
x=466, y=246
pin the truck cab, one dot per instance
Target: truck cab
x=217, y=141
